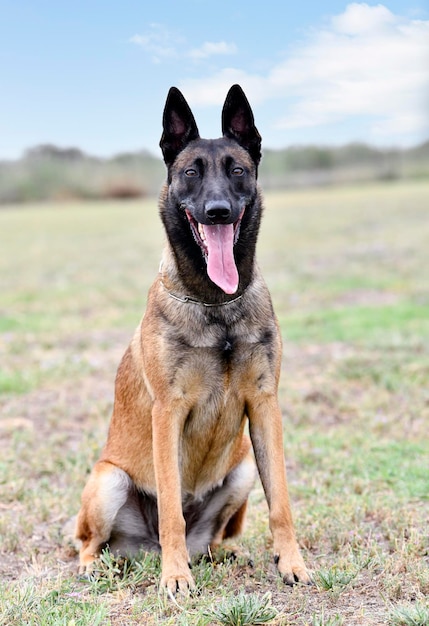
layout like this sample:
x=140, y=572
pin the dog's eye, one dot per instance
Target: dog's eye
x=190, y=172
x=237, y=171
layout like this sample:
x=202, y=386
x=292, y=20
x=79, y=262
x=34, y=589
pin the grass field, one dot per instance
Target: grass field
x=349, y=273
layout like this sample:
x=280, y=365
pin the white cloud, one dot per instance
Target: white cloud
x=159, y=42
x=210, y=48
x=364, y=63
x=163, y=44
x=361, y=18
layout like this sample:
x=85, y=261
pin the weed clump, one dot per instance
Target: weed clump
x=244, y=609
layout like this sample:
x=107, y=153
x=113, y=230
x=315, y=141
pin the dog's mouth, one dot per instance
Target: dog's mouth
x=217, y=244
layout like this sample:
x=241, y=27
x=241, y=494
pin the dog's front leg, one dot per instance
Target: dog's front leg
x=166, y=428
x=267, y=438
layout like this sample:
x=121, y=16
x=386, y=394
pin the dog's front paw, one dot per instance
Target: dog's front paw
x=291, y=567
x=177, y=581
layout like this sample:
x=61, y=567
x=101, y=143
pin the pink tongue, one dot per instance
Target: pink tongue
x=221, y=266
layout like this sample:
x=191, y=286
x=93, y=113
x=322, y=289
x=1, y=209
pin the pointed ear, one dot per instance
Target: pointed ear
x=178, y=124
x=238, y=122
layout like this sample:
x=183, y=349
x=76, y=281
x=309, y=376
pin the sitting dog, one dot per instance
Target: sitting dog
x=177, y=468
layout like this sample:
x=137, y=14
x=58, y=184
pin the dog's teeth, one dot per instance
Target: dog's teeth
x=201, y=232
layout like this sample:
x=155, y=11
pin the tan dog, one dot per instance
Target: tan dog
x=176, y=470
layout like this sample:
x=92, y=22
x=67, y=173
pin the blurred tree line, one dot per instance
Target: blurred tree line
x=48, y=172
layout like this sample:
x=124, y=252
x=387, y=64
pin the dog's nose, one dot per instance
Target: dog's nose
x=218, y=211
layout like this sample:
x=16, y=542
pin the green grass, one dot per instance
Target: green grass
x=33, y=605
x=333, y=579
x=382, y=468
x=417, y=615
x=406, y=321
x=244, y=610
x=321, y=620
x=15, y=382
x=346, y=268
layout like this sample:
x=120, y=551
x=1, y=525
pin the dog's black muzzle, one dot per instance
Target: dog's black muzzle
x=214, y=212
x=218, y=212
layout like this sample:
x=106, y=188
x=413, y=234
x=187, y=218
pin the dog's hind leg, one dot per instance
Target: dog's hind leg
x=106, y=491
x=235, y=523
x=222, y=511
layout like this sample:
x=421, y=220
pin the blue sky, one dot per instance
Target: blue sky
x=94, y=74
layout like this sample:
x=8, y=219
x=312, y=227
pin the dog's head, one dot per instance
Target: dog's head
x=211, y=183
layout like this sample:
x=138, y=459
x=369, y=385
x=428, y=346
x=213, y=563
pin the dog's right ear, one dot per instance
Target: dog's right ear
x=178, y=124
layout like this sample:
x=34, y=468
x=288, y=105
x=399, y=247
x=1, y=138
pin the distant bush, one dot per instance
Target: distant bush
x=49, y=151
x=355, y=162
x=47, y=172
x=124, y=191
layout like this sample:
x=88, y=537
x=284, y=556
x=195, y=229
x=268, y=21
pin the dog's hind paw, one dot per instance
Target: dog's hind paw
x=86, y=571
x=229, y=551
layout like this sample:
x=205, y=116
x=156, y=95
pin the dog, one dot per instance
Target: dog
x=177, y=469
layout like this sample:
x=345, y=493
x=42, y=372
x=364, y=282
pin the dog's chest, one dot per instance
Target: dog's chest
x=211, y=431
x=225, y=375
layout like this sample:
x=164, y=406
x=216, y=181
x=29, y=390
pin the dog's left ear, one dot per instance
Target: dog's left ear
x=178, y=124
x=238, y=122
